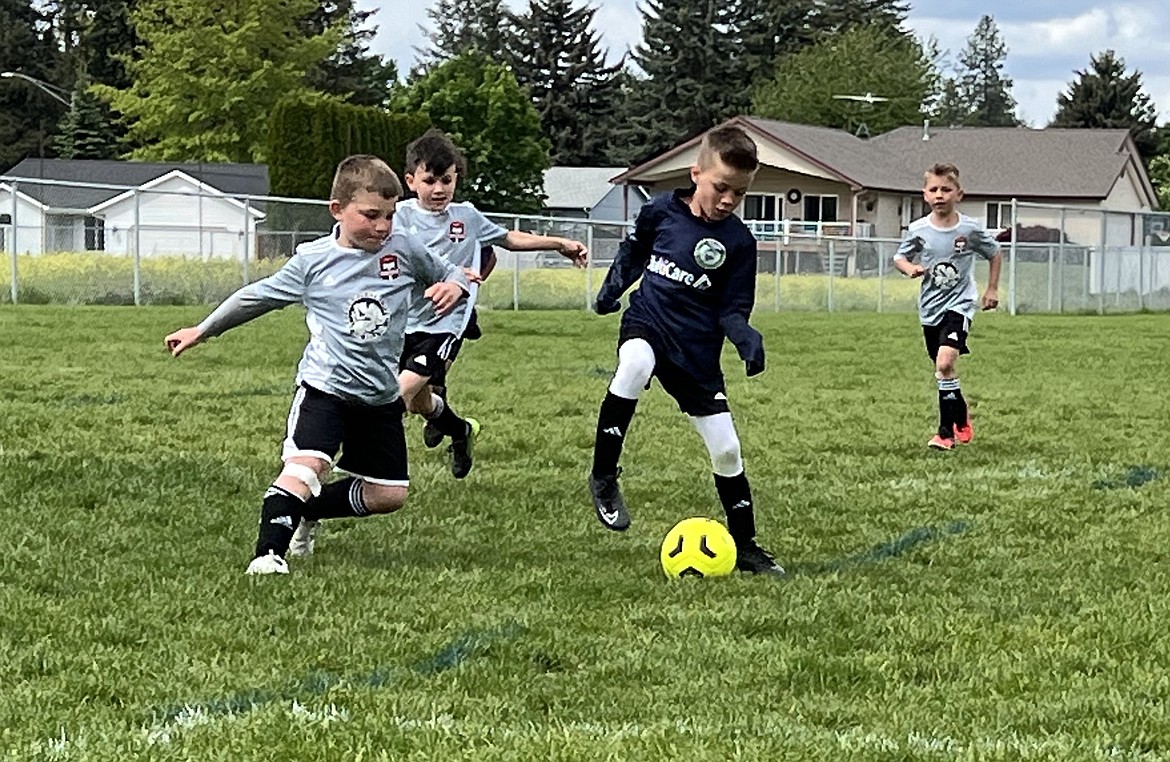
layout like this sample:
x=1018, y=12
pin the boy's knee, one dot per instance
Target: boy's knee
x=726, y=458
x=382, y=498
x=944, y=366
x=303, y=475
x=635, y=366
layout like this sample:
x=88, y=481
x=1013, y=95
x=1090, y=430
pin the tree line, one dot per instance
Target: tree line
x=192, y=80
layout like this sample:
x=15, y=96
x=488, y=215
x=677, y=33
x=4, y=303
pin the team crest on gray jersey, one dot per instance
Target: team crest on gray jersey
x=710, y=254
x=944, y=275
x=367, y=318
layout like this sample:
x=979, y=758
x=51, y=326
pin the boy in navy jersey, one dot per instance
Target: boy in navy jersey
x=947, y=242
x=697, y=262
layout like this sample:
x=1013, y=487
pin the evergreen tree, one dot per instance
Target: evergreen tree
x=950, y=110
x=557, y=56
x=1106, y=96
x=809, y=86
x=490, y=117
x=27, y=114
x=108, y=42
x=463, y=26
x=984, y=91
x=210, y=76
x=86, y=131
x=352, y=73
x=692, y=78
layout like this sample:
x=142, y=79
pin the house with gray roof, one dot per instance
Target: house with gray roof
x=819, y=180
x=587, y=193
x=189, y=209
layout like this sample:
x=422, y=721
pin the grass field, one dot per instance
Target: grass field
x=1006, y=601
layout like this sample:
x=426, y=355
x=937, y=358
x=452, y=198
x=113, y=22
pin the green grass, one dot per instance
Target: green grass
x=1007, y=601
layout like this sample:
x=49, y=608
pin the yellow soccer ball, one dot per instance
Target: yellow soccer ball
x=698, y=547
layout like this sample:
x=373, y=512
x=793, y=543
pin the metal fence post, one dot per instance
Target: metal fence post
x=1060, y=248
x=247, y=238
x=589, y=267
x=832, y=270
x=1141, y=288
x=137, y=247
x=1101, y=267
x=777, y=264
x=1012, y=251
x=516, y=271
x=881, y=278
x=14, y=286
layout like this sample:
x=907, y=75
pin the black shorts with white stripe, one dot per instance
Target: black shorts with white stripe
x=427, y=354
x=951, y=331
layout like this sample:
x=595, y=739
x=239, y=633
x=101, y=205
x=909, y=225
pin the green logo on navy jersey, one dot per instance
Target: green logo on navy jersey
x=710, y=254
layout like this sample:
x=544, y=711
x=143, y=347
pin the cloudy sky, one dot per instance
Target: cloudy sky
x=1047, y=40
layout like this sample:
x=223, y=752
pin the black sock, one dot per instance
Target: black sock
x=951, y=407
x=279, y=515
x=613, y=422
x=736, y=496
x=447, y=422
x=338, y=500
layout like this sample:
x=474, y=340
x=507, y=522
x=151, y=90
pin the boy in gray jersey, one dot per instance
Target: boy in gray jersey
x=946, y=243
x=356, y=285
x=458, y=232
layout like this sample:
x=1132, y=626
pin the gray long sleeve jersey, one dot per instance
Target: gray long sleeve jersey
x=457, y=234
x=357, y=304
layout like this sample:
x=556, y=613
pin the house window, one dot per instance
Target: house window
x=95, y=234
x=761, y=206
x=820, y=208
x=999, y=215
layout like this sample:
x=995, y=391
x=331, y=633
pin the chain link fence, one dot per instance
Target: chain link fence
x=143, y=246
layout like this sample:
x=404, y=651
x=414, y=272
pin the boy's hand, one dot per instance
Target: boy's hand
x=444, y=295
x=916, y=271
x=183, y=339
x=990, y=298
x=472, y=275
x=574, y=250
x=605, y=308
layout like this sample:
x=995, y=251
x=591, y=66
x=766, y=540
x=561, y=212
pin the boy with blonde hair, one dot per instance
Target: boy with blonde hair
x=945, y=242
x=357, y=285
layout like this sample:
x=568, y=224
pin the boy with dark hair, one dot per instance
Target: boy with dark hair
x=356, y=287
x=697, y=262
x=946, y=241
x=459, y=233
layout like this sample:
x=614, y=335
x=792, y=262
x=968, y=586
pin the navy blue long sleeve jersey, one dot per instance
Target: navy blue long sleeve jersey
x=698, y=285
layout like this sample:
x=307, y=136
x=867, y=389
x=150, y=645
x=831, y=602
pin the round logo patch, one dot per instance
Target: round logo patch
x=367, y=318
x=944, y=275
x=710, y=254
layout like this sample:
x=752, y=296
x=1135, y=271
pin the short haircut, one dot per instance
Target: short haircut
x=364, y=172
x=732, y=145
x=945, y=171
x=435, y=153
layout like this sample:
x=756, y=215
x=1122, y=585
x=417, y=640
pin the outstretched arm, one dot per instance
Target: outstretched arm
x=632, y=257
x=518, y=240
x=284, y=287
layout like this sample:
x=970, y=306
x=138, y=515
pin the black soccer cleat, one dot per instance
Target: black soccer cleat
x=432, y=437
x=608, y=502
x=460, y=450
x=752, y=559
